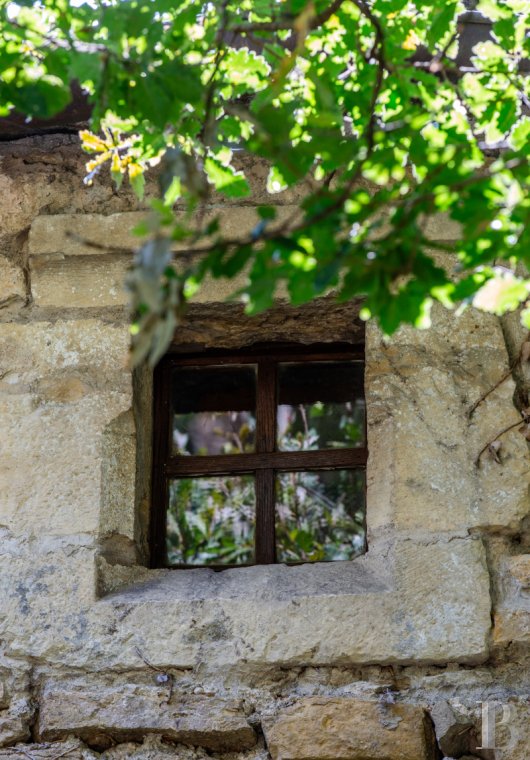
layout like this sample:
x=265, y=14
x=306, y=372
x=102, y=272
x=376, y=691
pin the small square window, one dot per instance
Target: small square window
x=259, y=456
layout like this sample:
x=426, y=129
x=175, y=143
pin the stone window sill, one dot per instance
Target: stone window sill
x=385, y=606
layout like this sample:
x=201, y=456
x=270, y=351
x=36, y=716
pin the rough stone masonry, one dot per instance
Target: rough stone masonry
x=417, y=650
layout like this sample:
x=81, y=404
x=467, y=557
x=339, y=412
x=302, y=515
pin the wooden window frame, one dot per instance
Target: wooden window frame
x=264, y=462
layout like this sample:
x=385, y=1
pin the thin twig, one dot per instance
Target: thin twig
x=493, y=388
x=506, y=430
x=66, y=752
x=97, y=246
x=507, y=374
x=168, y=677
x=149, y=664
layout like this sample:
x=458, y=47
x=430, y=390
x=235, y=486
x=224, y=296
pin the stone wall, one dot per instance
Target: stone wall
x=415, y=651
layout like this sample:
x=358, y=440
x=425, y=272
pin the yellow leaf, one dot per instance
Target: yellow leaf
x=92, y=142
x=116, y=165
x=91, y=165
x=412, y=41
x=135, y=170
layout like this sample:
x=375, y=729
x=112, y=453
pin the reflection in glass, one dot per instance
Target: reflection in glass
x=320, y=515
x=210, y=521
x=321, y=406
x=214, y=410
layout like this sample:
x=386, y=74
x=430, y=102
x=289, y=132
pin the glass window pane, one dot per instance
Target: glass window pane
x=211, y=521
x=214, y=409
x=320, y=515
x=321, y=406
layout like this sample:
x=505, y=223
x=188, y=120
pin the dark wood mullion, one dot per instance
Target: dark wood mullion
x=161, y=453
x=266, y=407
x=265, y=531
x=266, y=400
x=287, y=461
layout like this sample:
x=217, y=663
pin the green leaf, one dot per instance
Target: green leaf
x=226, y=179
x=521, y=134
x=138, y=184
x=267, y=213
x=276, y=182
x=246, y=69
x=41, y=99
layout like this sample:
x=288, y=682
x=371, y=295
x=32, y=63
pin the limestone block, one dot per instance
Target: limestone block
x=84, y=281
x=30, y=351
x=387, y=606
x=512, y=618
x=16, y=709
x=256, y=171
x=12, y=729
x=15, y=722
x=84, y=234
x=420, y=387
x=63, y=444
x=347, y=729
x=45, y=174
x=46, y=594
x=426, y=415
x=97, y=278
x=457, y=338
x=61, y=385
x=503, y=488
x=98, y=235
x=72, y=749
x=511, y=627
x=128, y=710
x=216, y=290
x=81, y=260
x=118, y=477
x=12, y=285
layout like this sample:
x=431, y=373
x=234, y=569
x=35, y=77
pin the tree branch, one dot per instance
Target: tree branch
x=287, y=21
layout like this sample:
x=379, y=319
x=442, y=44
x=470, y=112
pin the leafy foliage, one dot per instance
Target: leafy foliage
x=363, y=103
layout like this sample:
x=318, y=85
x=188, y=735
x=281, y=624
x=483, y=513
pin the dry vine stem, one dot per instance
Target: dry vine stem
x=523, y=356
x=489, y=445
x=163, y=678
